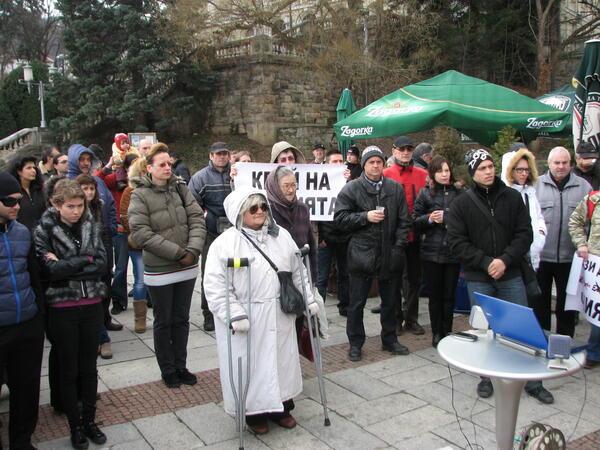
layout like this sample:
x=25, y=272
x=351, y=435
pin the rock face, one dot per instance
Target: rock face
x=271, y=97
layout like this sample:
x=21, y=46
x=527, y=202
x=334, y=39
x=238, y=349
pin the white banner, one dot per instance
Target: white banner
x=583, y=288
x=318, y=184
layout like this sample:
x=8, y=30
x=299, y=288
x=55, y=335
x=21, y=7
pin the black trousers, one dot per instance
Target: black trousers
x=407, y=310
x=565, y=320
x=172, y=323
x=355, y=328
x=21, y=348
x=75, y=332
x=441, y=282
x=208, y=240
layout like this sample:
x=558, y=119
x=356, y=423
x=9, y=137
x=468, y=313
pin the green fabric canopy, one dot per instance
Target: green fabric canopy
x=475, y=107
x=563, y=99
x=345, y=107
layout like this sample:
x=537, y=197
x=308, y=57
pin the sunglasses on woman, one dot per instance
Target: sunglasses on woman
x=254, y=208
x=9, y=202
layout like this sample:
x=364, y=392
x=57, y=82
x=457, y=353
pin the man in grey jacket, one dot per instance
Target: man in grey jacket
x=558, y=192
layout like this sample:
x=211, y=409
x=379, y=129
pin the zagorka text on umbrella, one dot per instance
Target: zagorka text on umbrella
x=352, y=132
x=534, y=123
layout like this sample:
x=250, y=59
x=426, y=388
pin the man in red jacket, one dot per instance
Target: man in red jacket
x=412, y=179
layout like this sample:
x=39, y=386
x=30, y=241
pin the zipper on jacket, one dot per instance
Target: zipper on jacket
x=13, y=279
x=559, y=227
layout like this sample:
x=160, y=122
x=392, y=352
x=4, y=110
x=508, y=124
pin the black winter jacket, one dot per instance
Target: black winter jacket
x=374, y=249
x=434, y=239
x=77, y=273
x=476, y=243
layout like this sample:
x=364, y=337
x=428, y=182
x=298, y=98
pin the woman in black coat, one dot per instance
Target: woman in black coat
x=33, y=203
x=440, y=268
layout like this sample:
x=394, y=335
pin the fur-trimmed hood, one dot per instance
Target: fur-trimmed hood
x=514, y=160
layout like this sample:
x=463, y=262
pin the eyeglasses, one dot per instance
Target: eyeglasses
x=289, y=187
x=9, y=202
x=522, y=169
x=254, y=208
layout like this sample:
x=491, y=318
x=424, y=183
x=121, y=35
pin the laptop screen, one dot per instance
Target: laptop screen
x=513, y=321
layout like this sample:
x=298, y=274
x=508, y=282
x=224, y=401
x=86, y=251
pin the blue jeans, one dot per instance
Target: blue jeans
x=512, y=290
x=104, y=337
x=593, y=352
x=324, y=256
x=139, y=288
x=119, y=282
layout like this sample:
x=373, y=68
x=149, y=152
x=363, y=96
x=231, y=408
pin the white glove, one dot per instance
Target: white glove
x=242, y=325
x=313, y=308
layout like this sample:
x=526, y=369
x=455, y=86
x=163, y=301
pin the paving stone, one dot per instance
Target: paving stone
x=566, y=423
x=393, y=366
x=444, y=398
x=337, y=396
x=361, y=383
x=129, y=373
x=209, y=422
x=202, y=358
x=530, y=410
x=466, y=384
x=123, y=436
x=465, y=434
x=426, y=441
x=342, y=434
x=410, y=424
x=432, y=355
x=378, y=410
x=418, y=376
x=250, y=443
x=298, y=437
x=167, y=431
x=127, y=351
x=127, y=333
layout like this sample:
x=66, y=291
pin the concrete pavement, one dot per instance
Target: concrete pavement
x=385, y=401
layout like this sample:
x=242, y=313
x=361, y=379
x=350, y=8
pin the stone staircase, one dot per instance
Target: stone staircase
x=27, y=140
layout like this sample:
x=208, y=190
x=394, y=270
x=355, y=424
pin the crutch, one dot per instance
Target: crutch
x=315, y=339
x=239, y=394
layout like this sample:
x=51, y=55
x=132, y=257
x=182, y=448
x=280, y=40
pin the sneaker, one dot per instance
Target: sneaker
x=94, y=434
x=414, y=328
x=171, y=380
x=485, y=388
x=542, y=394
x=209, y=323
x=186, y=377
x=105, y=351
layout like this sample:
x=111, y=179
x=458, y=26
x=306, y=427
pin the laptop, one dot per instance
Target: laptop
x=518, y=323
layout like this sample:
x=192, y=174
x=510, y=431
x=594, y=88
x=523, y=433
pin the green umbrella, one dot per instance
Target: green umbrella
x=563, y=99
x=475, y=107
x=345, y=107
x=587, y=96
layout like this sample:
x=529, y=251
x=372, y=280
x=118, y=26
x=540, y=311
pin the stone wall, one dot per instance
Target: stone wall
x=272, y=97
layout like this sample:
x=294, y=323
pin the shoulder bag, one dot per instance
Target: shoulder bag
x=290, y=298
x=527, y=271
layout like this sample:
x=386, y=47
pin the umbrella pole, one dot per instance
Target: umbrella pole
x=587, y=87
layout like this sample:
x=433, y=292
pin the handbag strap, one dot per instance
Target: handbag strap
x=275, y=268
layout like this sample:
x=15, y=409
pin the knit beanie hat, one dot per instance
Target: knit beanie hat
x=120, y=137
x=474, y=157
x=8, y=184
x=369, y=152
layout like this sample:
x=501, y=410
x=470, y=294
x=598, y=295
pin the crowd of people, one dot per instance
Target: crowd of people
x=70, y=224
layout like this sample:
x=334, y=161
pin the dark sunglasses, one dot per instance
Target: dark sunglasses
x=254, y=208
x=9, y=202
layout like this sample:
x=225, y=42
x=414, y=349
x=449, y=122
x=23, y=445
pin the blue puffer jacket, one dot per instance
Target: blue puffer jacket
x=109, y=211
x=17, y=300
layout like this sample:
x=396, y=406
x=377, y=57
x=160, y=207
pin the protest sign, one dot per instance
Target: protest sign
x=318, y=184
x=583, y=288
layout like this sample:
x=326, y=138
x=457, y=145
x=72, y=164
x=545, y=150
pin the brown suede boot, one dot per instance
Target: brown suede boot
x=140, y=307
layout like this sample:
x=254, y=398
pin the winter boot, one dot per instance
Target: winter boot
x=140, y=309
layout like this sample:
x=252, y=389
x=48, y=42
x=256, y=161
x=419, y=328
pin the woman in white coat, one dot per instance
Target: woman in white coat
x=519, y=171
x=275, y=377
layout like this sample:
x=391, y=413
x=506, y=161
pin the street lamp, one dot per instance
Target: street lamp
x=28, y=80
